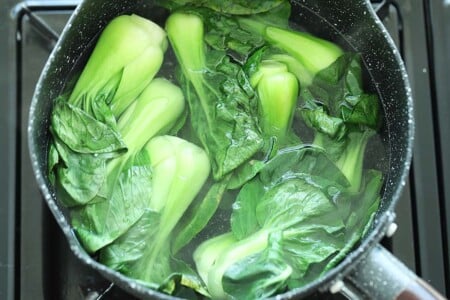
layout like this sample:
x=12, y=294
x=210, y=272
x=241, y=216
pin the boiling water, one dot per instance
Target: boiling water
x=376, y=153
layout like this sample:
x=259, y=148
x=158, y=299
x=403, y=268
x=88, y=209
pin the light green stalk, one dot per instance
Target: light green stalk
x=190, y=50
x=131, y=47
x=180, y=169
x=154, y=112
x=278, y=91
x=156, y=109
x=190, y=47
x=352, y=159
x=295, y=67
x=314, y=53
x=206, y=255
x=309, y=54
x=221, y=253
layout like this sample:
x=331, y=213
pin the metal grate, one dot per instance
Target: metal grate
x=43, y=267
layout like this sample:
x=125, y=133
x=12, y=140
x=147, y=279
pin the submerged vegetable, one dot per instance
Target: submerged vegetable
x=144, y=251
x=296, y=218
x=277, y=89
x=279, y=118
x=86, y=135
x=128, y=178
x=297, y=213
x=221, y=111
x=310, y=54
x=130, y=51
x=342, y=115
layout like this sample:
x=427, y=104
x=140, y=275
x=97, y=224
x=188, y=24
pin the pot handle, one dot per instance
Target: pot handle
x=380, y=275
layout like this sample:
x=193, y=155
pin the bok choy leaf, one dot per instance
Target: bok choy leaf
x=221, y=110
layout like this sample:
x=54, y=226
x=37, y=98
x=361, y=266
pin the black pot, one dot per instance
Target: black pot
x=352, y=24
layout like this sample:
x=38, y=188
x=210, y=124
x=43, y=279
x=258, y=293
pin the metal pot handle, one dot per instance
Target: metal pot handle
x=380, y=275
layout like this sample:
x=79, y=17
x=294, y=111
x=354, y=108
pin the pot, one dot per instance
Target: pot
x=367, y=270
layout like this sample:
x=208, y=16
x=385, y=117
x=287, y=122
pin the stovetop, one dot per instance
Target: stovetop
x=35, y=262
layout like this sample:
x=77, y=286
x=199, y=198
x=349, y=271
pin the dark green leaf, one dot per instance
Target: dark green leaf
x=252, y=64
x=124, y=252
x=360, y=214
x=243, y=218
x=198, y=215
x=183, y=276
x=288, y=204
x=302, y=161
x=82, y=133
x=133, y=255
x=53, y=160
x=245, y=173
x=81, y=175
x=237, y=7
x=361, y=110
x=320, y=120
x=260, y=275
x=310, y=244
x=221, y=115
x=225, y=34
x=99, y=224
x=336, y=98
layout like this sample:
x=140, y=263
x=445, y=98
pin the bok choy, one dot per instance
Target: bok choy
x=84, y=126
x=127, y=55
x=220, y=154
x=221, y=110
x=128, y=183
x=143, y=252
x=277, y=90
x=289, y=224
